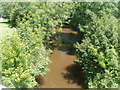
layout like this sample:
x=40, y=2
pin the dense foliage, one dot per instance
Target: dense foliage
x=48, y=16
x=84, y=12
x=16, y=65
x=98, y=51
x=25, y=54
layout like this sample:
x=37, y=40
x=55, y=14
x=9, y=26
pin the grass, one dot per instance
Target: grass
x=5, y=30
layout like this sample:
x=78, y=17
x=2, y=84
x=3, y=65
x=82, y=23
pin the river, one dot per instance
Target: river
x=64, y=73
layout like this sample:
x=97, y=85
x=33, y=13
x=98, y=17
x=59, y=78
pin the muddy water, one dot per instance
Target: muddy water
x=63, y=72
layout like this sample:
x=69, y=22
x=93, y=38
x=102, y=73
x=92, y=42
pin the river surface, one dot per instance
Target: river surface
x=64, y=73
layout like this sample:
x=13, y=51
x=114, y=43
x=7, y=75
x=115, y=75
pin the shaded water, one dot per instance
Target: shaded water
x=64, y=73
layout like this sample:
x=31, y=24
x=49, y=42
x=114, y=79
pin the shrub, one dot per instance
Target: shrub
x=16, y=65
x=98, y=53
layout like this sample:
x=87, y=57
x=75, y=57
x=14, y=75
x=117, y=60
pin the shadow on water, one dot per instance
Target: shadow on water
x=70, y=50
x=74, y=74
x=66, y=42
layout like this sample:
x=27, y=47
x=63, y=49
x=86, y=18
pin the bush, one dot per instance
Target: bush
x=98, y=53
x=85, y=12
x=16, y=65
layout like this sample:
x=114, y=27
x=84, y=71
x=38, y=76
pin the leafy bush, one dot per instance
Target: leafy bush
x=34, y=46
x=23, y=59
x=98, y=53
x=17, y=71
x=85, y=12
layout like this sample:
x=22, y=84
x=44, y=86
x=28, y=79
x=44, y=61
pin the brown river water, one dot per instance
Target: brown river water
x=64, y=73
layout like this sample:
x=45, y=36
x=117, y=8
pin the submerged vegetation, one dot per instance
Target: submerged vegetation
x=25, y=53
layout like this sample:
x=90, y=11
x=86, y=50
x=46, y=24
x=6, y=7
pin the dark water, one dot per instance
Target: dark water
x=64, y=73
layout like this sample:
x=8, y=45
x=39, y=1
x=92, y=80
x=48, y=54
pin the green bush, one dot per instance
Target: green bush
x=34, y=46
x=16, y=66
x=98, y=53
x=85, y=12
